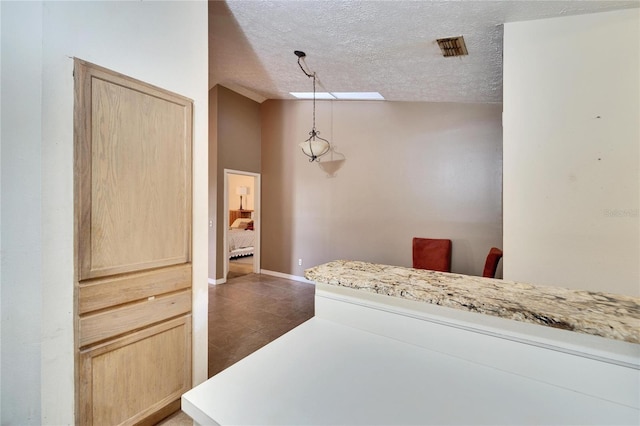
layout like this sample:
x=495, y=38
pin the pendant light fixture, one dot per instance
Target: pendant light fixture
x=315, y=146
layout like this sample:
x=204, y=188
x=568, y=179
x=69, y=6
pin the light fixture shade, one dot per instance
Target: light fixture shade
x=314, y=148
x=242, y=190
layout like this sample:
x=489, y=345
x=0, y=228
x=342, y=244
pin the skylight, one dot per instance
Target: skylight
x=309, y=95
x=368, y=96
x=353, y=96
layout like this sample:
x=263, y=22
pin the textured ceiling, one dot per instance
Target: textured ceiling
x=383, y=46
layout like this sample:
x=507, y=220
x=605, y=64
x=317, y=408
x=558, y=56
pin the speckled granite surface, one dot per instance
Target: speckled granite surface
x=602, y=314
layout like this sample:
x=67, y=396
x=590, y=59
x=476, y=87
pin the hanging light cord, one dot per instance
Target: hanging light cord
x=313, y=129
x=302, y=68
x=313, y=133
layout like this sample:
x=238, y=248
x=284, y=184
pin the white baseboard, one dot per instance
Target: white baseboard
x=287, y=276
x=267, y=272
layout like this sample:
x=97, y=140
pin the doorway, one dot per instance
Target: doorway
x=241, y=236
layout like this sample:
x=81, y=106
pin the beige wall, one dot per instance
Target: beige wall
x=409, y=169
x=237, y=125
x=572, y=152
x=145, y=40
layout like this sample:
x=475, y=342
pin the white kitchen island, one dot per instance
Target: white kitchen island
x=367, y=358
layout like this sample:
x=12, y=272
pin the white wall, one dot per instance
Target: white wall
x=21, y=212
x=162, y=43
x=571, y=152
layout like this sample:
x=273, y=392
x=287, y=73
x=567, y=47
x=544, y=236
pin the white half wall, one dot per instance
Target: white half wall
x=162, y=43
x=571, y=152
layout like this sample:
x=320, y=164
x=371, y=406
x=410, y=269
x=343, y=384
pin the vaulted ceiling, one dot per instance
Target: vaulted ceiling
x=383, y=46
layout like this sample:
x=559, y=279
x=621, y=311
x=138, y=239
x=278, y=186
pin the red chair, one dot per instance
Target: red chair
x=433, y=254
x=490, y=266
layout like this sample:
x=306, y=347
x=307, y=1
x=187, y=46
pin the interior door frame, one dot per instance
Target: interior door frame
x=256, y=219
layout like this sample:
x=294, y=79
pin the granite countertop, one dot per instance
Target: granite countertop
x=608, y=315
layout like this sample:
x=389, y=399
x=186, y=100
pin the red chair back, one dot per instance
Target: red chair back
x=433, y=254
x=491, y=265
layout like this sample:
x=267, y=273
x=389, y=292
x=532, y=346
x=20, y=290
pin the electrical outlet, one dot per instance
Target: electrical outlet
x=299, y=262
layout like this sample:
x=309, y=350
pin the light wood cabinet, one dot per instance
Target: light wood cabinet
x=239, y=214
x=130, y=378
x=133, y=256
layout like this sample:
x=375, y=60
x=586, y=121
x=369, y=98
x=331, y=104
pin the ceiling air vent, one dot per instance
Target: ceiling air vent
x=452, y=46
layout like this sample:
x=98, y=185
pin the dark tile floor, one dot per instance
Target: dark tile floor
x=250, y=311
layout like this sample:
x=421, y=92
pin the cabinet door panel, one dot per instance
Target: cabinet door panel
x=121, y=319
x=133, y=166
x=134, y=376
x=108, y=292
